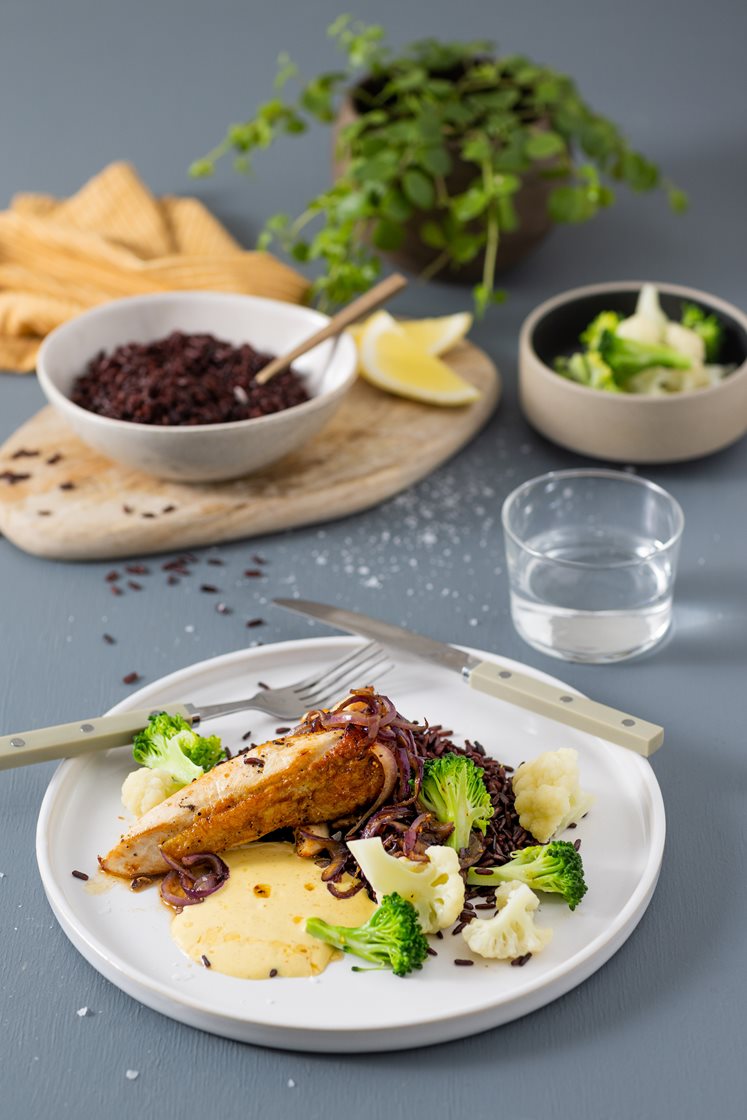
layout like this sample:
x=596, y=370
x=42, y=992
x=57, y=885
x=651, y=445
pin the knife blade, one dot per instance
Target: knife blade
x=501, y=681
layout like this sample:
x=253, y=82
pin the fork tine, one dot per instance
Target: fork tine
x=334, y=682
x=318, y=678
x=373, y=671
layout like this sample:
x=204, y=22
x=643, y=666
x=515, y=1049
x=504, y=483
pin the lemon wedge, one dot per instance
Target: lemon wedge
x=393, y=362
x=435, y=336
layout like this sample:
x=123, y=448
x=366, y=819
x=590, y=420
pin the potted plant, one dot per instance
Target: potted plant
x=452, y=158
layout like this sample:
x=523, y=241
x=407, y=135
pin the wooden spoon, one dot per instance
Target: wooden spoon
x=377, y=295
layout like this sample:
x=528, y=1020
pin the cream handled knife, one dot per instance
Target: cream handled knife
x=495, y=679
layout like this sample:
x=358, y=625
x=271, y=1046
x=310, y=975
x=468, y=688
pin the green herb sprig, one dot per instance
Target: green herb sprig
x=419, y=113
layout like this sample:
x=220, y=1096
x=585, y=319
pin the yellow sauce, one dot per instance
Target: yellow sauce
x=255, y=923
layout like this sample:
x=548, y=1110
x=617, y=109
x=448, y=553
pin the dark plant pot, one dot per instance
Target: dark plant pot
x=530, y=202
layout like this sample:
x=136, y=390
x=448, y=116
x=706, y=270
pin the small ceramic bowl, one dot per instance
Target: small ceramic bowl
x=626, y=427
x=203, y=452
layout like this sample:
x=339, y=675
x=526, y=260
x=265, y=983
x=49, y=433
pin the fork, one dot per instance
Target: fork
x=101, y=733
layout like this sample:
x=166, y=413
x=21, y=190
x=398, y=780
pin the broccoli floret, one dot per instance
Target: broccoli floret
x=605, y=321
x=709, y=327
x=555, y=868
x=588, y=369
x=626, y=357
x=391, y=938
x=453, y=790
x=169, y=743
x=206, y=751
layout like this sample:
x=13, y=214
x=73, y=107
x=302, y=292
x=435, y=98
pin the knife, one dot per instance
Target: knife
x=496, y=679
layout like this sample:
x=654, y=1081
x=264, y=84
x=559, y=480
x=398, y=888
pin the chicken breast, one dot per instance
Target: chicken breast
x=302, y=779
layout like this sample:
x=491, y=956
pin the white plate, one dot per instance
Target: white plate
x=125, y=936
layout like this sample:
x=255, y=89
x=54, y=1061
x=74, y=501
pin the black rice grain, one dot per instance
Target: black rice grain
x=131, y=678
x=464, y=964
x=110, y=641
x=205, y=961
x=255, y=622
x=80, y=875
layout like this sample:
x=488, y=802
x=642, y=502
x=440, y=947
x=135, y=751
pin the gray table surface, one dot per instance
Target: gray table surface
x=659, y=1030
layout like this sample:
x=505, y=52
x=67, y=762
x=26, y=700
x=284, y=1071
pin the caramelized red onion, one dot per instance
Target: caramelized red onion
x=310, y=844
x=193, y=879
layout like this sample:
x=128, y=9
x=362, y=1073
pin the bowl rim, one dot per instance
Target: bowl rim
x=598, y=473
x=56, y=396
x=628, y=400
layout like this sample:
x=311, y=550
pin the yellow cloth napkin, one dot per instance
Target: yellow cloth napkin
x=112, y=239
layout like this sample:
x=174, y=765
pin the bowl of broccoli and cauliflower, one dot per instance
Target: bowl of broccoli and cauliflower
x=636, y=372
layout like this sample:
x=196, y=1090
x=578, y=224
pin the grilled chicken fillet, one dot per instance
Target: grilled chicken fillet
x=304, y=779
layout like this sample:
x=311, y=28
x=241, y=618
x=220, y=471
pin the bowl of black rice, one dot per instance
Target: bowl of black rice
x=166, y=383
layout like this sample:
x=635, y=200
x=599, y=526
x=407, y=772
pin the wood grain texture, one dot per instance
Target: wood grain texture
x=82, y=506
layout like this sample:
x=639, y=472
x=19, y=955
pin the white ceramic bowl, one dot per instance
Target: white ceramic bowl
x=628, y=427
x=203, y=452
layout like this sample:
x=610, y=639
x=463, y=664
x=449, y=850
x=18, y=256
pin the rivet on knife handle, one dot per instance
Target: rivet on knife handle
x=70, y=739
x=566, y=707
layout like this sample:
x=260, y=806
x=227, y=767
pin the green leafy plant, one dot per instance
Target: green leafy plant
x=418, y=115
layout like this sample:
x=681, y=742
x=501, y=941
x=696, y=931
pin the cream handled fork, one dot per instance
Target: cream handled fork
x=67, y=740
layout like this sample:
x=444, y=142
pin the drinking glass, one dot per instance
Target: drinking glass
x=592, y=558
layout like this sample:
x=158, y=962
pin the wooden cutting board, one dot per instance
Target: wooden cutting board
x=63, y=500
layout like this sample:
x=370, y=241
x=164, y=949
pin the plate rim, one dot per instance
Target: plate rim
x=184, y=1008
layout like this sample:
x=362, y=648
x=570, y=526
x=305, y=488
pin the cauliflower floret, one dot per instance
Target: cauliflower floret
x=144, y=788
x=434, y=887
x=686, y=341
x=547, y=793
x=511, y=932
x=639, y=328
x=648, y=306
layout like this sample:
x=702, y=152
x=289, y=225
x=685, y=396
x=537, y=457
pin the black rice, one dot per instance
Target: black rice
x=184, y=379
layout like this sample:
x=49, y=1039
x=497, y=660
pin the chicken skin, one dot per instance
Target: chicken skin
x=301, y=779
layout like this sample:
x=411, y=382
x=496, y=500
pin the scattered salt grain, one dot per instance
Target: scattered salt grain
x=132, y=1074
x=83, y=1012
x=291, y=1083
